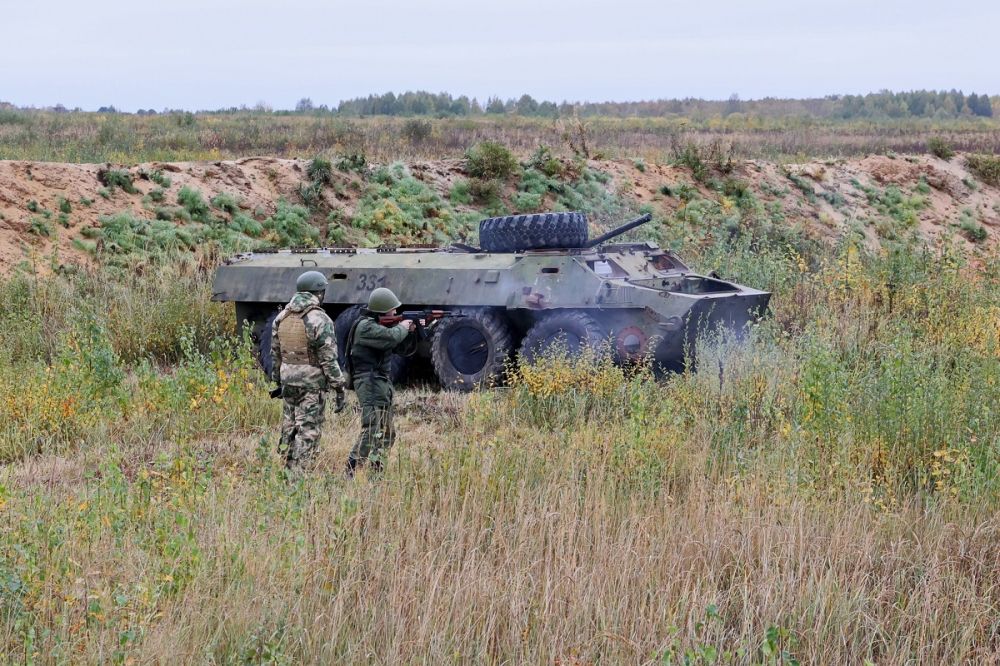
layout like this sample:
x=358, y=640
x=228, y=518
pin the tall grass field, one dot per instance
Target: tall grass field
x=824, y=491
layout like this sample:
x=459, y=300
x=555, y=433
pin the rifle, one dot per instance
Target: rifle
x=428, y=317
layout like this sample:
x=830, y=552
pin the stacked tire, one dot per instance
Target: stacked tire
x=540, y=231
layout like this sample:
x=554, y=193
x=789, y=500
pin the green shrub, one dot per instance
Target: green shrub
x=939, y=147
x=970, y=227
x=84, y=201
x=545, y=162
x=356, y=162
x=289, y=226
x=65, y=206
x=157, y=195
x=639, y=164
x=120, y=178
x=246, y=225
x=527, y=202
x=160, y=178
x=320, y=170
x=63, y=220
x=225, y=202
x=485, y=190
x=974, y=232
x=311, y=194
x=194, y=204
x=416, y=130
x=490, y=160
x=460, y=194
x=39, y=226
x=33, y=206
x=689, y=154
x=985, y=167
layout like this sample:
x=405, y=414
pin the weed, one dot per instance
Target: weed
x=971, y=228
x=939, y=147
x=193, y=202
x=112, y=178
x=225, y=202
x=490, y=160
x=460, y=193
x=545, y=162
x=320, y=170
x=985, y=167
x=416, y=131
x=39, y=226
x=157, y=195
x=33, y=206
x=156, y=176
x=356, y=162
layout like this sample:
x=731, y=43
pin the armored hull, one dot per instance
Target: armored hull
x=635, y=298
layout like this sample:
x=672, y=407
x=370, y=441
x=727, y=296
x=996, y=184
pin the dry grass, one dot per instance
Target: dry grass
x=824, y=492
x=477, y=548
x=94, y=137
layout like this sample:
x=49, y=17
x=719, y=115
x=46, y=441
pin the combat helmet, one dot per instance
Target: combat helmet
x=311, y=281
x=382, y=300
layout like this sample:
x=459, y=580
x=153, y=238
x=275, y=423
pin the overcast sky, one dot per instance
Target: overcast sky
x=206, y=54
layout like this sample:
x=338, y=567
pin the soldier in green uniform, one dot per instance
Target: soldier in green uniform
x=371, y=345
x=304, y=351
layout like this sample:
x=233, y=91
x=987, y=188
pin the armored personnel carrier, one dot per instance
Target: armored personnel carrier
x=536, y=281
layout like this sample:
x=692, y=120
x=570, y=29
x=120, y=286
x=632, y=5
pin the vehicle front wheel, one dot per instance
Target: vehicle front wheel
x=471, y=349
x=571, y=332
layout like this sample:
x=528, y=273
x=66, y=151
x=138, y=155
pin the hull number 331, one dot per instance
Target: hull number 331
x=369, y=281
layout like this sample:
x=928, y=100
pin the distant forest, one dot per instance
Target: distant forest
x=881, y=105
x=915, y=104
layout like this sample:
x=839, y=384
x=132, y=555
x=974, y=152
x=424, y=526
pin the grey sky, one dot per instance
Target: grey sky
x=218, y=53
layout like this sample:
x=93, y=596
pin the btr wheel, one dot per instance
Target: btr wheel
x=264, y=344
x=470, y=350
x=570, y=331
x=515, y=233
x=342, y=328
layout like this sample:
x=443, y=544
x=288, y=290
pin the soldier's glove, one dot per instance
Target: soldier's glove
x=341, y=399
x=276, y=392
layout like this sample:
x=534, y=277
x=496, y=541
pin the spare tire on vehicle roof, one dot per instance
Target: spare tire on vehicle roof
x=538, y=231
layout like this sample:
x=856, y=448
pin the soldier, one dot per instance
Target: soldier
x=304, y=350
x=371, y=345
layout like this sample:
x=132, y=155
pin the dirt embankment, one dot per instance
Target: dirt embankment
x=45, y=206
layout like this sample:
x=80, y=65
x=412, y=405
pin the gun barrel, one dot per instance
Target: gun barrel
x=617, y=231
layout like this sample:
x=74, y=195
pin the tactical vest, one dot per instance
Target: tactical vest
x=295, y=349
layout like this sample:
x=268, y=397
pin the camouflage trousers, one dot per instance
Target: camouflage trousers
x=301, y=424
x=377, y=431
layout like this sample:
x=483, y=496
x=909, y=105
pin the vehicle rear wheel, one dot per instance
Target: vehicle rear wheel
x=471, y=349
x=264, y=344
x=539, y=231
x=569, y=331
x=342, y=328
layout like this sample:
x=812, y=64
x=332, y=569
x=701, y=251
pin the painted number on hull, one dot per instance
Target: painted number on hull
x=369, y=281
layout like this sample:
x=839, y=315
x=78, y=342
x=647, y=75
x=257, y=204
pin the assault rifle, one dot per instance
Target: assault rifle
x=428, y=317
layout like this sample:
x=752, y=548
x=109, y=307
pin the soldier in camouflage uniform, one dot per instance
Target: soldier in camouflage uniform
x=371, y=346
x=304, y=350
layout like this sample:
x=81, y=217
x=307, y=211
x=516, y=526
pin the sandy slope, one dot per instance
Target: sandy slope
x=259, y=182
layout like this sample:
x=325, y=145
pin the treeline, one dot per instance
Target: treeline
x=885, y=104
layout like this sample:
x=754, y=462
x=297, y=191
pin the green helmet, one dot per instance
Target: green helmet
x=382, y=300
x=311, y=281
